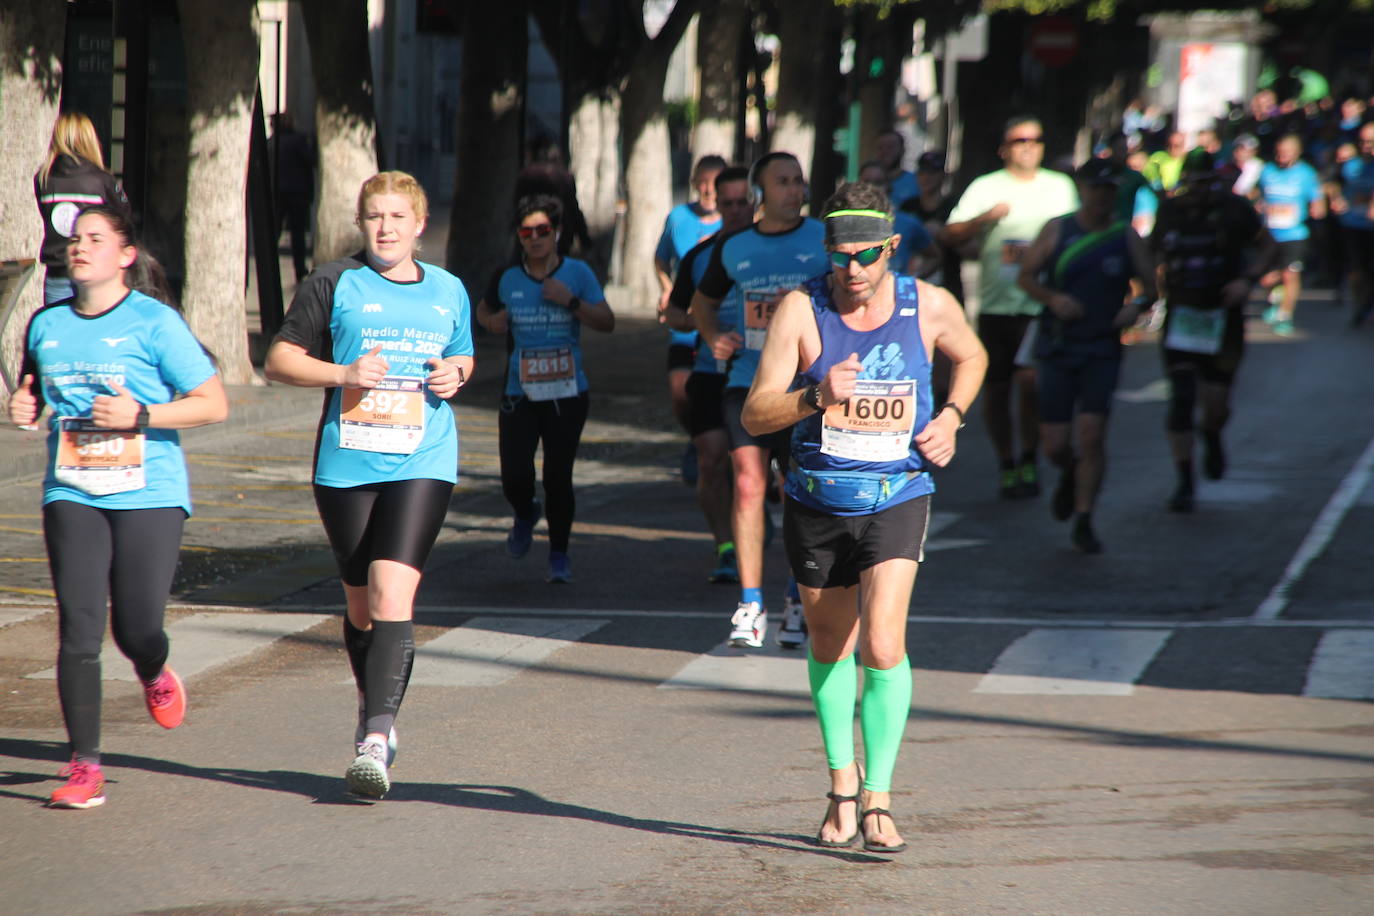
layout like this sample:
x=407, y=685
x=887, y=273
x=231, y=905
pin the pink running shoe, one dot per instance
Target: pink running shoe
x=84, y=788
x=166, y=699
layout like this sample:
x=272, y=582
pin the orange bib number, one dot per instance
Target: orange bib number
x=98, y=461
x=1282, y=216
x=389, y=418
x=875, y=424
x=758, y=311
x=548, y=374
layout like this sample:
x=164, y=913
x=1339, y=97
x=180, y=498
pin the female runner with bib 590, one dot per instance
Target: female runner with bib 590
x=847, y=365
x=122, y=373
x=388, y=338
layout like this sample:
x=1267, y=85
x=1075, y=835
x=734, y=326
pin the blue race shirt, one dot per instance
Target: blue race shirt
x=1095, y=268
x=689, y=274
x=682, y=231
x=893, y=353
x=915, y=239
x=538, y=324
x=902, y=188
x=345, y=309
x=764, y=267
x=1357, y=184
x=1288, y=196
x=144, y=347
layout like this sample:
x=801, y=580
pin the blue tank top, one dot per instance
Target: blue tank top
x=1094, y=268
x=877, y=427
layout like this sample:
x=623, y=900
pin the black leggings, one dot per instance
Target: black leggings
x=129, y=557
x=390, y=520
x=522, y=425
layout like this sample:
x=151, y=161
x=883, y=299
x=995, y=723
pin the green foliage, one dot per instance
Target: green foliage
x=681, y=114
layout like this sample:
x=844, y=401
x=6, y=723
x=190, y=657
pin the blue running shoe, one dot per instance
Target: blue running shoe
x=560, y=568
x=727, y=568
x=522, y=533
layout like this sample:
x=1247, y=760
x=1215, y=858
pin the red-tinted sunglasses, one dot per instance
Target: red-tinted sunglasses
x=539, y=231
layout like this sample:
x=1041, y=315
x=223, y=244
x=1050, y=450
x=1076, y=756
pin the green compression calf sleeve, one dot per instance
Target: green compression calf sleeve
x=882, y=718
x=834, y=689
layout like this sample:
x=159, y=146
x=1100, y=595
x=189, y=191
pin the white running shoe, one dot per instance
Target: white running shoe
x=360, y=733
x=792, y=633
x=367, y=774
x=748, y=625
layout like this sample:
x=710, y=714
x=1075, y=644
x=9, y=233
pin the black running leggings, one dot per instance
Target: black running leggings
x=127, y=556
x=522, y=425
x=390, y=520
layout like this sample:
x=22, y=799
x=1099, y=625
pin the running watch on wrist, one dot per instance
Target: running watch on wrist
x=811, y=397
x=573, y=304
x=142, y=419
x=954, y=407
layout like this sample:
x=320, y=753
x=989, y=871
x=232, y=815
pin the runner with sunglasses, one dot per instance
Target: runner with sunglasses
x=1001, y=213
x=388, y=337
x=122, y=373
x=762, y=263
x=847, y=367
x=541, y=305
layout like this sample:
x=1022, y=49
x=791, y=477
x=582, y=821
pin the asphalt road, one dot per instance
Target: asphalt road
x=1180, y=725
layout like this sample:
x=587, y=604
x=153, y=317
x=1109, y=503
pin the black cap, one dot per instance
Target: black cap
x=1099, y=171
x=1199, y=162
x=932, y=161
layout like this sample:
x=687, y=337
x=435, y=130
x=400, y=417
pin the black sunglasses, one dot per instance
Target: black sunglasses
x=1016, y=141
x=865, y=256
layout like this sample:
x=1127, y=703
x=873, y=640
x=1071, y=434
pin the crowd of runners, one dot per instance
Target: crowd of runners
x=825, y=357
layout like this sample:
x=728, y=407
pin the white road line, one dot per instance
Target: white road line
x=13, y=615
x=1323, y=529
x=1342, y=666
x=203, y=641
x=492, y=650
x=766, y=670
x=1084, y=662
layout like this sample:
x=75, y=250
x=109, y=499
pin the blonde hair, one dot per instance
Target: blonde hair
x=394, y=183
x=73, y=135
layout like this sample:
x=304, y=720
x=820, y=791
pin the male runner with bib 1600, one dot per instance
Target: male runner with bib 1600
x=848, y=362
x=762, y=263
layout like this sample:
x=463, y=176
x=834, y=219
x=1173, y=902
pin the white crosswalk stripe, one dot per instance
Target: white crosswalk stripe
x=766, y=670
x=1342, y=666
x=204, y=641
x=488, y=651
x=1082, y=662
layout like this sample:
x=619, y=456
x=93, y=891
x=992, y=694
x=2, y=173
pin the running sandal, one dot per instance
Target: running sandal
x=166, y=699
x=84, y=789
x=522, y=533
x=727, y=568
x=748, y=625
x=366, y=775
x=560, y=568
x=792, y=633
x=838, y=800
x=869, y=845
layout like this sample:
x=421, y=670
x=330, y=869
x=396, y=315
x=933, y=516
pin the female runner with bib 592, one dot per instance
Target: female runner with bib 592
x=388, y=338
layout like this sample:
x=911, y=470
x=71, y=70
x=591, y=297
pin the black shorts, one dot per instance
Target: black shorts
x=1002, y=336
x=1068, y=380
x=704, y=393
x=1216, y=368
x=830, y=551
x=1291, y=255
x=391, y=520
x=681, y=356
x=732, y=406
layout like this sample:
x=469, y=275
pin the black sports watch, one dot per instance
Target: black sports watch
x=141, y=420
x=811, y=397
x=573, y=304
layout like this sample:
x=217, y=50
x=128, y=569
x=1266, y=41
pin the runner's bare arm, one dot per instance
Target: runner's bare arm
x=951, y=334
x=497, y=321
x=290, y=363
x=201, y=406
x=595, y=315
x=770, y=406
x=703, y=312
x=447, y=376
x=1033, y=261
x=678, y=319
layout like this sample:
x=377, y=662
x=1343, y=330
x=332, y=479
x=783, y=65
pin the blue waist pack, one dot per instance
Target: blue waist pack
x=849, y=491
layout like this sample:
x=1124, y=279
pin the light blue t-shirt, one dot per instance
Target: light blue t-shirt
x=1288, y=196
x=682, y=231
x=764, y=267
x=539, y=324
x=915, y=238
x=902, y=188
x=345, y=309
x=144, y=347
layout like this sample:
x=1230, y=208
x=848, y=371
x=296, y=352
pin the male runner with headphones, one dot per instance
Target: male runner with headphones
x=765, y=261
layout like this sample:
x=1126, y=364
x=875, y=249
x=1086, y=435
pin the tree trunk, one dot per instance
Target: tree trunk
x=826, y=169
x=30, y=83
x=801, y=44
x=718, y=37
x=345, y=128
x=220, y=102
x=488, y=132
x=594, y=160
